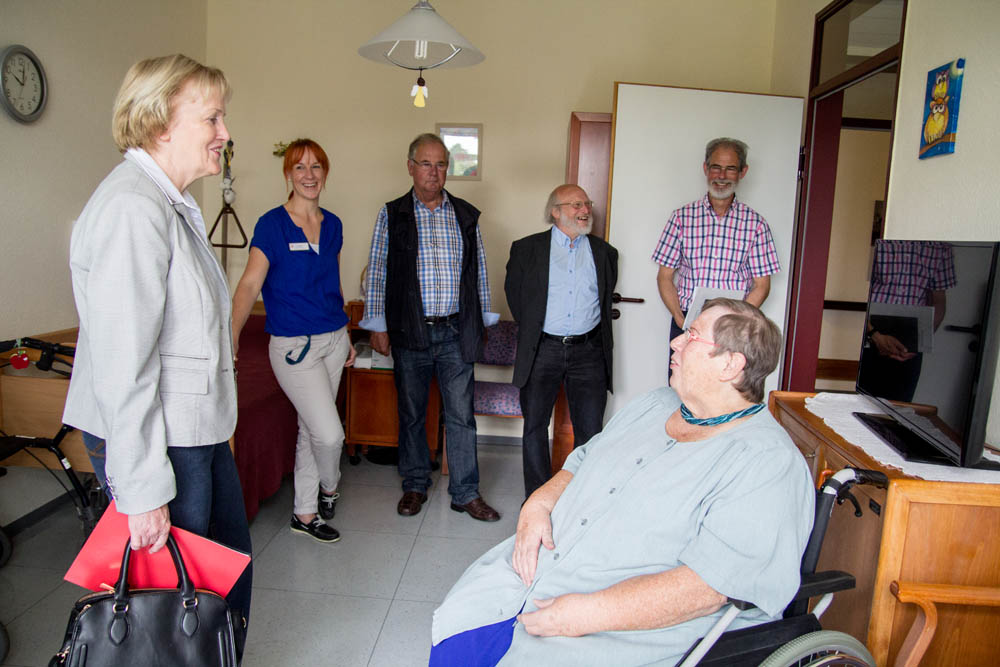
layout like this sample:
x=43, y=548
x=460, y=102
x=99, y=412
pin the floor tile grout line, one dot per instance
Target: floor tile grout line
x=395, y=591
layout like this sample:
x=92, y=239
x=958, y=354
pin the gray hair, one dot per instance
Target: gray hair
x=549, y=205
x=747, y=331
x=551, y=202
x=427, y=138
x=739, y=147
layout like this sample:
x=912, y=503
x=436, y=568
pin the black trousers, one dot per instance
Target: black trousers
x=581, y=368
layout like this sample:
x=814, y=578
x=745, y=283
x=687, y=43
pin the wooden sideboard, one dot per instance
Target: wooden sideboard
x=916, y=531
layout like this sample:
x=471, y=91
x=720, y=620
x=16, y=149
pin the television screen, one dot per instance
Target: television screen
x=930, y=345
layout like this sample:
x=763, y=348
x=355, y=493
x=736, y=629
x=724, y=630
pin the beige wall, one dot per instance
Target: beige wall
x=861, y=165
x=543, y=61
x=50, y=168
x=794, y=23
x=951, y=196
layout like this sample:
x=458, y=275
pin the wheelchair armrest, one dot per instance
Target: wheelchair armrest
x=821, y=583
x=811, y=585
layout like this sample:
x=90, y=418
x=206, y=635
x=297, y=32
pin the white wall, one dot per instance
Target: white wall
x=952, y=196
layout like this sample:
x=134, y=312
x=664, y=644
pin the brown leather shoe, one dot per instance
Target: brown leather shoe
x=410, y=503
x=478, y=510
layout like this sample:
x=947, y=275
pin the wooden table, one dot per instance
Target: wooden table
x=918, y=531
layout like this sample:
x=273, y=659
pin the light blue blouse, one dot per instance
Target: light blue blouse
x=736, y=508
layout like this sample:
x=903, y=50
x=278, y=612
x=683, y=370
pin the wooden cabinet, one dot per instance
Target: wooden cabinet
x=371, y=414
x=919, y=532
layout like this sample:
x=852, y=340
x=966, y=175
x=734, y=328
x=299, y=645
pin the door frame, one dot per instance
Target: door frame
x=811, y=240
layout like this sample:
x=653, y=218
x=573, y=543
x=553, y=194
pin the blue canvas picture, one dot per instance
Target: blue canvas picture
x=940, y=126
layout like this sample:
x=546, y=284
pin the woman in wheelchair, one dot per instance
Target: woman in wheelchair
x=691, y=495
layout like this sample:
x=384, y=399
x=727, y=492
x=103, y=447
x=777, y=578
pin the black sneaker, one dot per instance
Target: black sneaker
x=315, y=529
x=328, y=504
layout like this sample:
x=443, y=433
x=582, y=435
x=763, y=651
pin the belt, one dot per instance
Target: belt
x=574, y=340
x=441, y=319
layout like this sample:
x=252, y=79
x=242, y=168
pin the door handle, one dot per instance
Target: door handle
x=618, y=298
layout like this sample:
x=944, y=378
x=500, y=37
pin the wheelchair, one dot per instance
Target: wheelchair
x=797, y=638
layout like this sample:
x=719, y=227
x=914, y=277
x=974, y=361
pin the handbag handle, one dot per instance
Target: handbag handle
x=119, y=624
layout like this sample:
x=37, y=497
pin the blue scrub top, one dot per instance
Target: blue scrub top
x=302, y=292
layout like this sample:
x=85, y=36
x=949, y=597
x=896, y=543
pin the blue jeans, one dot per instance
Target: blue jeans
x=413, y=372
x=95, y=452
x=209, y=502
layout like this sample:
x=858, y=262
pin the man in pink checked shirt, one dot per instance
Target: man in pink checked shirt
x=716, y=241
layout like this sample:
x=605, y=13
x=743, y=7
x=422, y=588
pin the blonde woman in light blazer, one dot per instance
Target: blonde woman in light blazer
x=154, y=364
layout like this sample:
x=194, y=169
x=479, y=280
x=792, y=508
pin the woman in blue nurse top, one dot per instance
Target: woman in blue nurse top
x=295, y=264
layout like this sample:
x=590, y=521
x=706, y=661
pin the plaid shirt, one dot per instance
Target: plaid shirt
x=725, y=253
x=906, y=272
x=439, y=264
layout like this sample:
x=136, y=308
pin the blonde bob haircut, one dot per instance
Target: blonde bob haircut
x=143, y=105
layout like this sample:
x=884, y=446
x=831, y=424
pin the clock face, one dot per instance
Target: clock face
x=23, y=82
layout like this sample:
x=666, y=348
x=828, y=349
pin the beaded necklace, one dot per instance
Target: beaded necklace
x=721, y=419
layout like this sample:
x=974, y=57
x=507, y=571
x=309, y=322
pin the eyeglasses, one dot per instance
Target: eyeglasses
x=719, y=169
x=577, y=205
x=427, y=166
x=688, y=337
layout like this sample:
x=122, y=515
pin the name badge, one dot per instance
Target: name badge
x=298, y=246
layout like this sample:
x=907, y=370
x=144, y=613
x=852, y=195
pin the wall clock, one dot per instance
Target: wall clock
x=24, y=90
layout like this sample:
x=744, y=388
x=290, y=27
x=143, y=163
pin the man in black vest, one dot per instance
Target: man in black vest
x=559, y=285
x=428, y=296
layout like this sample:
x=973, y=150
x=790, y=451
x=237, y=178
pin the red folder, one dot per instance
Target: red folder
x=210, y=565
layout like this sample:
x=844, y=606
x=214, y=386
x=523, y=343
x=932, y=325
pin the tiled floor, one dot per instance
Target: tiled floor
x=365, y=600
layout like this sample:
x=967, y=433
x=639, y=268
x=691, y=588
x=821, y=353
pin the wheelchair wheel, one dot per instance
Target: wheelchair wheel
x=825, y=647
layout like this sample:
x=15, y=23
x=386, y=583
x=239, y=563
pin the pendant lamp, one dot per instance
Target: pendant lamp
x=421, y=40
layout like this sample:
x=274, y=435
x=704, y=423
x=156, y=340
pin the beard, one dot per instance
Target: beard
x=571, y=222
x=721, y=188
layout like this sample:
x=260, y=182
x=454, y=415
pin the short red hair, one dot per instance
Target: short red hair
x=297, y=149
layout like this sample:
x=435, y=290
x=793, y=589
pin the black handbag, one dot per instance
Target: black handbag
x=149, y=626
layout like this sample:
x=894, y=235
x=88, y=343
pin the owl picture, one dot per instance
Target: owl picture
x=937, y=120
x=940, y=84
x=939, y=131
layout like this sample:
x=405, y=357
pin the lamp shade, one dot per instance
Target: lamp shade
x=421, y=39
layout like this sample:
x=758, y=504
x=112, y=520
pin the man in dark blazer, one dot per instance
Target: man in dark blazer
x=559, y=284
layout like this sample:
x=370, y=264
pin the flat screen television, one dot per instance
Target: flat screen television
x=929, y=355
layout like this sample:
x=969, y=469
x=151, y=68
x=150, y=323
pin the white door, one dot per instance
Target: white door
x=657, y=153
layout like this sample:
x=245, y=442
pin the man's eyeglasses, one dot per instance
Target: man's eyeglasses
x=689, y=336
x=719, y=169
x=427, y=166
x=577, y=205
